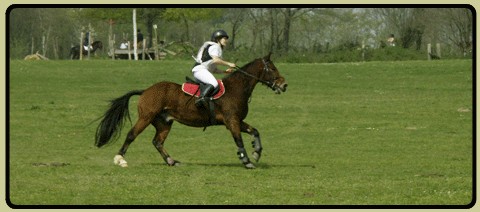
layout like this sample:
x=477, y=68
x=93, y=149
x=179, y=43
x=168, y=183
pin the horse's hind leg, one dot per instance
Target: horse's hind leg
x=163, y=128
x=132, y=134
x=257, y=145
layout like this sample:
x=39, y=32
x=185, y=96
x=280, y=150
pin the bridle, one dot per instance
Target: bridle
x=270, y=84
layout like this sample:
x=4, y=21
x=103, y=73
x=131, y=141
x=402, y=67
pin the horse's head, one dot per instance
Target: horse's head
x=271, y=77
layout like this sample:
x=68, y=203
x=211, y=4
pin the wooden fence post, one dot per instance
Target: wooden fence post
x=89, y=42
x=439, y=53
x=429, y=51
x=129, y=56
x=143, y=48
x=134, y=17
x=363, y=51
x=43, y=44
x=112, y=47
x=81, y=46
x=33, y=45
x=155, y=41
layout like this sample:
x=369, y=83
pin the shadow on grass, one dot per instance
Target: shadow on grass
x=257, y=165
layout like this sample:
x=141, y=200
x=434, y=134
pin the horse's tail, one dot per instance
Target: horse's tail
x=113, y=119
x=72, y=52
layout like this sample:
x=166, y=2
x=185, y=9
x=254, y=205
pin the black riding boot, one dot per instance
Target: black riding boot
x=202, y=101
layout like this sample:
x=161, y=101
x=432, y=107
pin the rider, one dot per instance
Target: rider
x=208, y=57
x=86, y=44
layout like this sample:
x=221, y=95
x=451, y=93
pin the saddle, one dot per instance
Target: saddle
x=193, y=88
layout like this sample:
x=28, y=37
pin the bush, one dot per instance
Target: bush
x=334, y=56
x=396, y=54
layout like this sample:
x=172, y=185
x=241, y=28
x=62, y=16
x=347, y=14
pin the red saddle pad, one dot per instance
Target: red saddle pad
x=193, y=89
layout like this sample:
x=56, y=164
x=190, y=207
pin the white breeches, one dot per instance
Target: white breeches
x=201, y=73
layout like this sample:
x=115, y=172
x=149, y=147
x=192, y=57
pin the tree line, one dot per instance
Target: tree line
x=289, y=32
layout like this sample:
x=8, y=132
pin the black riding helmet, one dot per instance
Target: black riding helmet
x=219, y=34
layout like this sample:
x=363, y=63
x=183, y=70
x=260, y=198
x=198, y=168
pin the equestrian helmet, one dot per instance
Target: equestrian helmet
x=217, y=35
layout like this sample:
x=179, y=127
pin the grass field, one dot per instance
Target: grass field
x=376, y=133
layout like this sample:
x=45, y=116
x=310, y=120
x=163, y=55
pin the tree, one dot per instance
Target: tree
x=46, y=30
x=146, y=16
x=407, y=23
x=236, y=17
x=256, y=16
x=186, y=15
x=289, y=15
x=150, y=16
x=261, y=30
x=458, y=27
x=274, y=35
x=102, y=14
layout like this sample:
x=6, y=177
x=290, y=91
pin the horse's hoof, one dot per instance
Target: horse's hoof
x=249, y=166
x=172, y=162
x=118, y=160
x=256, y=156
x=175, y=163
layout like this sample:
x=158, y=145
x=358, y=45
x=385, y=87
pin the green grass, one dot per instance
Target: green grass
x=376, y=133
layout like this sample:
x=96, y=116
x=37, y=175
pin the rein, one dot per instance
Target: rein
x=267, y=83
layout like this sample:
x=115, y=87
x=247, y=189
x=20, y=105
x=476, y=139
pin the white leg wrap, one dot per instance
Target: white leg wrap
x=118, y=160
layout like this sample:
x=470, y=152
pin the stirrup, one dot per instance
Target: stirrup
x=201, y=102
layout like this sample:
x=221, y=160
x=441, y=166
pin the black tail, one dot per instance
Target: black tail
x=113, y=119
x=74, y=51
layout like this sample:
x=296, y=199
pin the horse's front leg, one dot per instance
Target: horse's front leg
x=256, y=143
x=242, y=153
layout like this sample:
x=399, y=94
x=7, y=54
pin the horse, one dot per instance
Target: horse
x=165, y=102
x=75, y=51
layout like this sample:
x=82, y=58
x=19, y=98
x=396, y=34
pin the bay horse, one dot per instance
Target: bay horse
x=75, y=51
x=165, y=102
